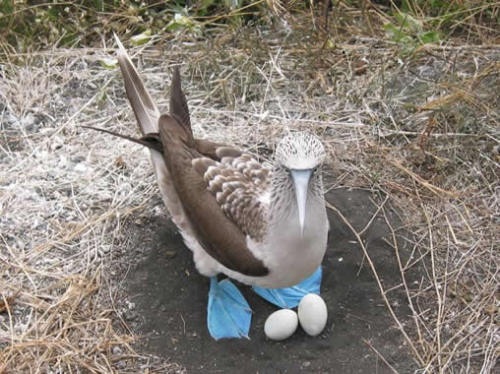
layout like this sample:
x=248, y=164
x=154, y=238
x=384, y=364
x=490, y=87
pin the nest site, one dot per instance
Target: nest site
x=419, y=131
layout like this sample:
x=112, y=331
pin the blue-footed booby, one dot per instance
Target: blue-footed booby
x=265, y=226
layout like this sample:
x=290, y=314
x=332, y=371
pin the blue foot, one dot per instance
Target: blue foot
x=290, y=297
x=229, y=315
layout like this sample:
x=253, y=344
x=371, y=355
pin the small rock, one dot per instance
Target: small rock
x=116, y=350
x=130, y=305
x=130, y=316
x=80, y=168
x=121, y=365
x=77, y=159
x=20, y=244
x=28, y=121
x=57, y=142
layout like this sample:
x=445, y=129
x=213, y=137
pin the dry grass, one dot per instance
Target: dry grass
x=422, y=131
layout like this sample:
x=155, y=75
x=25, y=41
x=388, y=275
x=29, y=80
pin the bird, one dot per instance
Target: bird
x=264, y=225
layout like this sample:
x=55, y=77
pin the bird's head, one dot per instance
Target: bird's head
x=301, y=154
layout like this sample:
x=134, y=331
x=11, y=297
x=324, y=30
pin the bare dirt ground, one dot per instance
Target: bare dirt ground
x=93, y=277
x=170, y=298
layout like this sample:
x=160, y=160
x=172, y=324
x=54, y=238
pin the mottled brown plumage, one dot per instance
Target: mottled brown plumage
x=237, y=181
x=216, y=231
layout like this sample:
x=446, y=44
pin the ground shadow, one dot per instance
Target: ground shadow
x=170, y=300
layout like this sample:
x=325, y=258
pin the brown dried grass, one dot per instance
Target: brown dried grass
x=421, y=131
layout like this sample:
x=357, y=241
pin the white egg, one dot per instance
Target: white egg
x=281, y=324
x=312, y=314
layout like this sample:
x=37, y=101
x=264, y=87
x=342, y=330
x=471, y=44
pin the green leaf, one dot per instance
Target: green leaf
x=108, y=63
x=409, y=23
x=180, y=21
x=430, y=37
x=141, y=38
x=99, y=5
x=394, y=32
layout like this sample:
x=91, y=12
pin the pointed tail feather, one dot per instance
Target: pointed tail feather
x=145, y=109
x=152, y=141
x=148, y=116
x=178, y=104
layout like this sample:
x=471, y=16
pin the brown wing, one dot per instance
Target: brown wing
x=220, y=236
x=238, y=183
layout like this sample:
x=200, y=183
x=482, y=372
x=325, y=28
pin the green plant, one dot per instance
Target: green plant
x=454, y=16
x=32, y=25
x=410, y=32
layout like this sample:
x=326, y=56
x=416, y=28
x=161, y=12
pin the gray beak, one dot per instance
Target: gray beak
x=301, y=182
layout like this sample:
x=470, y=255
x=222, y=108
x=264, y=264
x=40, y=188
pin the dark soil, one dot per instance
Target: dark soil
x=170, y=305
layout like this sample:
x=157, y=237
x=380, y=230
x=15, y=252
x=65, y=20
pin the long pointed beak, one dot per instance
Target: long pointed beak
x=301, y=182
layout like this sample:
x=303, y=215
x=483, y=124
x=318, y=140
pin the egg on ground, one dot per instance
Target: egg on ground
x=312, y=314
x=281, y=324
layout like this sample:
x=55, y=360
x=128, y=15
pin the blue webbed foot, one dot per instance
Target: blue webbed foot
x=229, y=315
x=290, y=297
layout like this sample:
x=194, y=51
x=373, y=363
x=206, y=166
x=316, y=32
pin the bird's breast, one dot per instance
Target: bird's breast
x=292, y=256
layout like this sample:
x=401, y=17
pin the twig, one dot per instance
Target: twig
x=380, y=356
x=379, y=284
